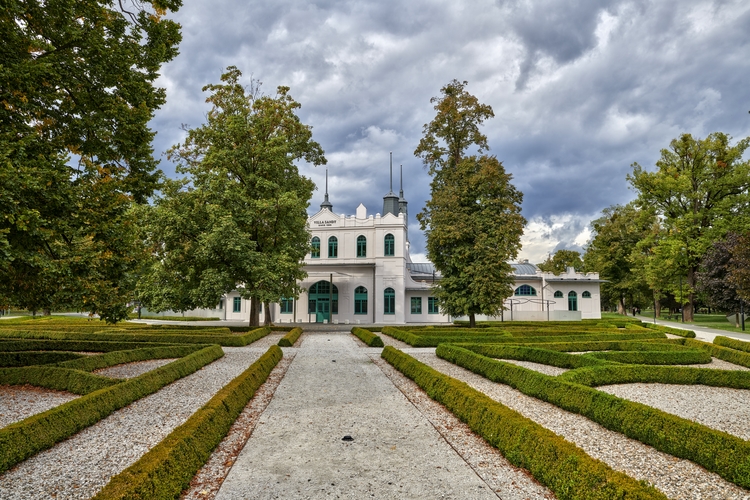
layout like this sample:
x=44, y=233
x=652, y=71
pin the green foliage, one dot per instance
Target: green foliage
x=687, y=357
x=20, y=440
x=290, y=338
x=561, y=466
x=167, y=468
x=56, y=378
x=367, y=337
x=472, y=221
x=690, y=334
x=740, y=345
x=700, y=190
x=717, y=451
x=608, y=374
x=239, y=221
x=26, y=358
x=561, y=261
x=77, y=87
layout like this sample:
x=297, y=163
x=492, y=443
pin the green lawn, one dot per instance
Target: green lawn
x=718, y=321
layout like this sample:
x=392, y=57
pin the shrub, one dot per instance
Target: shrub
x=167, y=468
x=628, y=374
x=688, y=334
x=290, y=338
x=26, y=358
x=717, y=451
x=739, y=345
x=561, y=466
x=367, y=337
x=656, y=357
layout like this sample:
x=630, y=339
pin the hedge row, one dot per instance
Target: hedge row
x=367, y=337
x=167, y=468
x=629, y=374
x=533, y=354
x=561, y=466
x=660, y=357
x=614, y=345
x=56, y=378
x=688, y=334
x=290, y=338
x=73, y=345
x=724, y=353
x=98, y=361
x=433, y=341
x=230, y=340
x=717, y=451
x=20, y=440
x=30, y=358
x=739, y=345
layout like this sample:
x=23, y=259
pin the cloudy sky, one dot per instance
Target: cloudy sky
x=580, y=90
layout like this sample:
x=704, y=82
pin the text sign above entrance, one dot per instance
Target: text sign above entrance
x=325, y=223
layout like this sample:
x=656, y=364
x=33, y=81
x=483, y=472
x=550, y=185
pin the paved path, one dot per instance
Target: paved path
x=701, y=332
x=332, y=389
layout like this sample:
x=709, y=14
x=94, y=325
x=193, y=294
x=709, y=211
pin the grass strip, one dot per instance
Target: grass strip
x=167, y=468
x=290, y=338
x=558, y=464
x=20, y=440
x=717, y=451
x=367, y=337
x=594, y=376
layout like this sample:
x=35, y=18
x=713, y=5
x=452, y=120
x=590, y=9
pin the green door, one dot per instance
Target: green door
x=319, y=301
x=323, y=312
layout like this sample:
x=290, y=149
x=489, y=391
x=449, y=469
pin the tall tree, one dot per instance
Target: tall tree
x=700, y=189
x=714, y=275
x=473, y=219
x=561, y=261
x=77, y=87
x=739, y=267
x=240, y=220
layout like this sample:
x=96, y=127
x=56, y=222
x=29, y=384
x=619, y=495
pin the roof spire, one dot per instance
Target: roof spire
x=391, y=189
x=390, y=201
x=326, y=204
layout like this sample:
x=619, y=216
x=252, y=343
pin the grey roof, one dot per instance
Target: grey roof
x=421, y=268
x=524, y=269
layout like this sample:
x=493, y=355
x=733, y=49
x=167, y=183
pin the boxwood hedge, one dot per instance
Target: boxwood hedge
x=367, y=337
x=290, y=338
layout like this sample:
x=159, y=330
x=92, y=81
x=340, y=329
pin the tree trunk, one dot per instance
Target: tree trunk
x=46, y=312
x=621, y=306
x=472, y=320
x=657, y=307
x=689, y=307
x=253, y=312
x=268, y=317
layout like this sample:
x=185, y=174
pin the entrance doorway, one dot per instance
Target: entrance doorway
x=321, y=302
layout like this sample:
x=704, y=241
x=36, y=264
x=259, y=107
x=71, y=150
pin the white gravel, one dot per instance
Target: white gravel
x=538, y=367
x=718, y=364
x=134, y=369
x=18, y=402
x=81, y=465
x=720, y=408
x=677, y=478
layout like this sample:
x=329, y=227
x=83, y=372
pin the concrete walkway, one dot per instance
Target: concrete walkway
x=701, y=332
x=331, y=390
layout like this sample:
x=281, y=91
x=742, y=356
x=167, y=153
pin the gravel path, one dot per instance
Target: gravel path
x=134, y=369
x=720, y=408
x=18, y=402
x=331, y=390
x=538, y=367
x=677, y=478
x=80, y=466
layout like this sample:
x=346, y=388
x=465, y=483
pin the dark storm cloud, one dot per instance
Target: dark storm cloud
x=580, y=90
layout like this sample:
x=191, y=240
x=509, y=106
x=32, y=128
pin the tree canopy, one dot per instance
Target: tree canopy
x=239, y=221
x=561, y=261
x=700, y=191
x=472, y=221
x=77, y=87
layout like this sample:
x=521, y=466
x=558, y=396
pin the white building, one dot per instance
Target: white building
x=359, y=272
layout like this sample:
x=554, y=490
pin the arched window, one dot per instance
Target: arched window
x=572, y=301
x=586, y=295
x=389, y=301
x=315, y=253
x=360, y=300
x=333, y=247
x=389, y=245
x=526, y=290
x=361, y=246
x=558, y=294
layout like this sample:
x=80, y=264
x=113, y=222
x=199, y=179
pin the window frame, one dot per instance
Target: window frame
x=389, y=245
x=433, y=306
x=389, y=301
x=237, y=305
x=519, y=291
x=333, y=247
x=315, y=250
x=361, y=246
x=360, y=300
x=416, y=305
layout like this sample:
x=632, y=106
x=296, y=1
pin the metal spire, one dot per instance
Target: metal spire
x=326, y=204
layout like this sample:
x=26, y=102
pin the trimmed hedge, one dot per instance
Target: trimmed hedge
x=688, y=334
x=616, y=345
x=20, y=440
x=73, y=345
x=95, y=362
x=56, y=378
x=30, y=358
x=167, y=468
x=660, y=357
x=367, y=337
x=628, y=374
x=290, y=338
x=433, y=341
x=724, y=353
x=534, y=354
x=229, y=340
x=561, y=466
x=717, y=451
x=739, y=345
